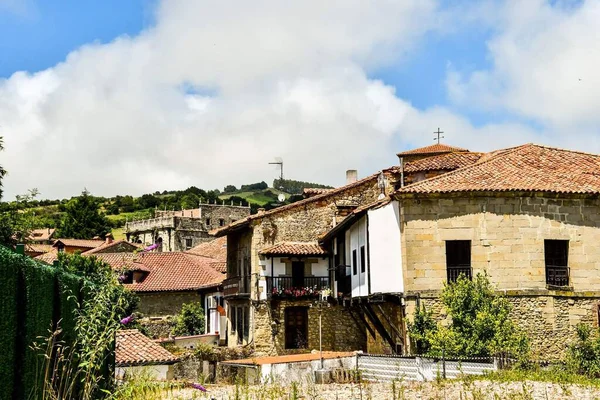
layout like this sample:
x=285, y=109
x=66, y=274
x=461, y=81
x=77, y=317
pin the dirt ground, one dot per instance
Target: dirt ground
x=449, y=390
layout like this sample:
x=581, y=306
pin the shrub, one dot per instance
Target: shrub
x=583, y=356
x=422, y=326
x=190, y=320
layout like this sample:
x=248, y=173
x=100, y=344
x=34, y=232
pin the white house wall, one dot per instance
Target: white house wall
x=384, y=249
x=358, y=239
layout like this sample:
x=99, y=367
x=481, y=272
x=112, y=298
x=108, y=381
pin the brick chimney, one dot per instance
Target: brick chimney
x=109, y=238
x=351, y=176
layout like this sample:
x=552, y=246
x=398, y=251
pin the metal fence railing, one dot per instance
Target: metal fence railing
x=388, y=368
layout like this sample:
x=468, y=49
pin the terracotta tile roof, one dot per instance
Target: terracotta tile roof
x=291, y=358
x=118, y=261
x=216, y=249
x=134, y=348
x=294, y=248
x=91, y=244
x=123, y=244
x=42, y=235
x=38, y=248
x=528, y=167
x=48, y=257
x=437, y=148
x=309, y=192
x=245, y=221
x=176, y=272
x=220, y=266
x=443, y=162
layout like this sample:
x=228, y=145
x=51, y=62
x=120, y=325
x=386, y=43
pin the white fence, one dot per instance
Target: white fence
x=388, y=368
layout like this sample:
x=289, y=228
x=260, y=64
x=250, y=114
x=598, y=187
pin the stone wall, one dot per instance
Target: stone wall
x=507, y=236
x=339, y=331
x=159, y=304
x=226, y=213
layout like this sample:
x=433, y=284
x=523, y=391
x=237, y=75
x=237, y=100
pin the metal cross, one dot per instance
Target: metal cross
x=438, y=135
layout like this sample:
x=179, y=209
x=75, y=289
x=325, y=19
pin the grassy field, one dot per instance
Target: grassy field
x=258, y=197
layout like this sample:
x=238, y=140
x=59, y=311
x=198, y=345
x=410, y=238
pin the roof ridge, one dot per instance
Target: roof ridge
x=466, y=168
x=585, y=153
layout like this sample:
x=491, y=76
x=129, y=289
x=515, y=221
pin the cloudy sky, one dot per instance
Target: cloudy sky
x=129, y=97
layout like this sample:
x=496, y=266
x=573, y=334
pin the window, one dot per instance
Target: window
x=354, y=267
x=556, y=255
x=61, y=247
x=233, y=311
x=221, y=222
x=207, y=221
x=188, y=244
x=246, y=327
x=296, y=328
x=458, y=259
x=240, y=325
x=363, y=261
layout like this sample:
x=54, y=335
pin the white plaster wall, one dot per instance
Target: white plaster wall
x=384, y=249
x=358, y=238
x=285, y=373
x=318, y=269
x=154, y=372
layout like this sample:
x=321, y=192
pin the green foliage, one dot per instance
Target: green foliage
x=423, y=326
x=583, y=356
x=83, y=219
x=480, y=323
x=229, y=189
x=10, y=270
x=190, y=320
x=254, y=186
x=296, y=187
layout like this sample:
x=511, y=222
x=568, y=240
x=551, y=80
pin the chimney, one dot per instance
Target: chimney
x=109, y=238
x=261, y=210
x=351, y=176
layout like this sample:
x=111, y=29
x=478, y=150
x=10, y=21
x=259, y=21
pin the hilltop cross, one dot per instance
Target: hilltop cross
x=438, y=135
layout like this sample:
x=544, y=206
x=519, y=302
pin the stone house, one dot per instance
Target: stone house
x=528, y=217
x=182, y=230
x=276, y=272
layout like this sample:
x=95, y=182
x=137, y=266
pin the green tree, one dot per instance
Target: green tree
x=480, y=323
x=83, y=219
x=229, y=189
x=190, y=320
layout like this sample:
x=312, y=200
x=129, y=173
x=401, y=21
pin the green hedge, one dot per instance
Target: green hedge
x=33, y=298
x=8, y=322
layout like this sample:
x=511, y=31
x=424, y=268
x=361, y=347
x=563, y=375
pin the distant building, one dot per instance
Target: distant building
x=185, y=229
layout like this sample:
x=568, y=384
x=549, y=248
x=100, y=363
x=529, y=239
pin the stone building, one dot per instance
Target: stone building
x=528, y=217
x=185, y=229
x=276, y=272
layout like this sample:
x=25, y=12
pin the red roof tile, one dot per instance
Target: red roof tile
x=220, y=266
x=216, y=249
x=176, y=272
x=118, y=261
x=294, y=248
x=42, y=235
x=91, y=244
x=38, y=248
x=528, y=167
x=437, y=148
x=134, y=348
x=309, y=192
x=107, y=247
x=443, y=162
x=48, y=257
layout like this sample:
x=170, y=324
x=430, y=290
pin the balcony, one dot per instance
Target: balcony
x=454, y=271
x=557, y=275
x=237, y=286
x=295, y=287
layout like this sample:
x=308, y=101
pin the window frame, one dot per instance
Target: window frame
x=553, y=264
x=456, y=263
x=363, y=259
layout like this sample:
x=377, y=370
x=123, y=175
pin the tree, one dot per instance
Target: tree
x=229, y=189
x=480, y=323
x=190, y=320
x=2, y=170
x=189, y=201
x=83, y=219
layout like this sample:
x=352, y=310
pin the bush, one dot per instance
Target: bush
x=480, y=323
x=190, y=320
x=583, y=356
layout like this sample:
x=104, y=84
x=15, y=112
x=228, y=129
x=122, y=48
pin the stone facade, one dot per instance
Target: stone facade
x=304, y=222
x=507, y=234
x=158, y=304
x=182, y=230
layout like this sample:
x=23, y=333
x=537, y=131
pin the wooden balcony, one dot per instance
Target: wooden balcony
x=294, y=287
x=237, y=286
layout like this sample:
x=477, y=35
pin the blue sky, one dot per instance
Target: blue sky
x=192, y=93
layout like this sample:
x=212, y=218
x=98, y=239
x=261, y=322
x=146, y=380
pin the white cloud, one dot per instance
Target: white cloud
x=271, y=78
x=545, y=62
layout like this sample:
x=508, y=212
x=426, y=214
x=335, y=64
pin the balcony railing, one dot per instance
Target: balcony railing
x=454, y=271
x=237, y=285
x=295, y=287
x=557, y=275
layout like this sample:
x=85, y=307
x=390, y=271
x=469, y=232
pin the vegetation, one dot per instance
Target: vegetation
x=83, y=219
x=190, y=320
x=480, y=325
x=296, y=187
x=583, y=356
